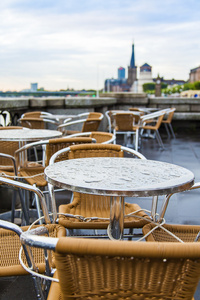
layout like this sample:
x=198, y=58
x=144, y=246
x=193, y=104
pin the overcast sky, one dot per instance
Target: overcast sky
x=79, y=43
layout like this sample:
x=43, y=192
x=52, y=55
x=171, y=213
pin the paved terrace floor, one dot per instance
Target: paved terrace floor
x=182, y=209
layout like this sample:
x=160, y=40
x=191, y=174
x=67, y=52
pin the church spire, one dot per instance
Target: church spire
x=132, y=63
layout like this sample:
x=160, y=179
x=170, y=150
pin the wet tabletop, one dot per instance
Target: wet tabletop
x=28, y=134
x=119, y=176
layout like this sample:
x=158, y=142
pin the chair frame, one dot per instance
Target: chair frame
x=21, y=161
x=133, y=130
x=147, y=122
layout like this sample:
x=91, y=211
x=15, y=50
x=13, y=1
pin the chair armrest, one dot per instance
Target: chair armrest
x=71, y=123
x=11, y=226
x=13, y=160
x=30, y=188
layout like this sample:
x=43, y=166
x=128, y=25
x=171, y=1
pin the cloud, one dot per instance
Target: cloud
x=79, y=44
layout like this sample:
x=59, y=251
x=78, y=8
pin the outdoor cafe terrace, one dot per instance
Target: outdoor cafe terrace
x=184, y=150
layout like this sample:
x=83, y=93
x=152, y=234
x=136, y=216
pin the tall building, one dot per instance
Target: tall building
x=34, y=87
x=144, y=77
x=194, y=74
x=121, y=73
x=132, y=69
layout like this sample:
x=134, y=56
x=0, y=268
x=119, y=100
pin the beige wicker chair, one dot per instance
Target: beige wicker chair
x=91, y=123
x=103, y=269
x=127, y=124
x=8, y=147
x=152, y=122
x=89, y=206
x=186, y=233
x=33, y=173
x=10, y=242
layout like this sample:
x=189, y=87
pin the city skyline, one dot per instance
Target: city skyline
x=76, y=44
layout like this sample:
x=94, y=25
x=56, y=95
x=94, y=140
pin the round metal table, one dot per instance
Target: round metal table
x=28, y=135
x=119, y=177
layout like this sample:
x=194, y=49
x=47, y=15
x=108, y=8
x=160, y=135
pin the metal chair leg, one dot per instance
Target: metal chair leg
x=172, y=131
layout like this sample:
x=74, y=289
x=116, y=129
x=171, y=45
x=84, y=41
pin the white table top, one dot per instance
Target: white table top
x=119, y=176
x=28, y=135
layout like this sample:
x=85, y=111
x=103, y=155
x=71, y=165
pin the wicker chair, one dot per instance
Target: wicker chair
x=100, y=136
x=10, y=245
x=10, y=265
x=95, y=205
x=127, y=123
x=33, y=173
x=8, y=147
x=103, y=269
x=91, y=123
x=13, y=175
x=169, y=232
x=152, y=122
x=186, y=233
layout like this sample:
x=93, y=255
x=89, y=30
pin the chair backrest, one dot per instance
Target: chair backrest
x=55, y=145
x=10, y=127
x=110, y=118
x=123, y=269
x=187, y=233
x=155, y=118
x=95, y=150
x=95, y=115
x=33, y=123
x=169, y=115
x=32, y=114
x=91, y=124
x=99, y=136
x=35, y=114
x=8, y=147
x=125, y=121
x=102, y=137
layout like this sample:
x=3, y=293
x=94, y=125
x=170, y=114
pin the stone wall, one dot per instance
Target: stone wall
x=187, y=109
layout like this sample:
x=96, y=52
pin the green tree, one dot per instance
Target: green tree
x=149, y=87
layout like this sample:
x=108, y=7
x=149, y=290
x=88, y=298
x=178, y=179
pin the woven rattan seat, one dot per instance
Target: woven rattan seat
x=95, y=205
x=187, y=233
x=103, y=269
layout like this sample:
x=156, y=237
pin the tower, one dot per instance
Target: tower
x=158, y=87
x=132, y=69
x=121, y=73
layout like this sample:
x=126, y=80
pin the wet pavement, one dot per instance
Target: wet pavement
x=183, y=208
